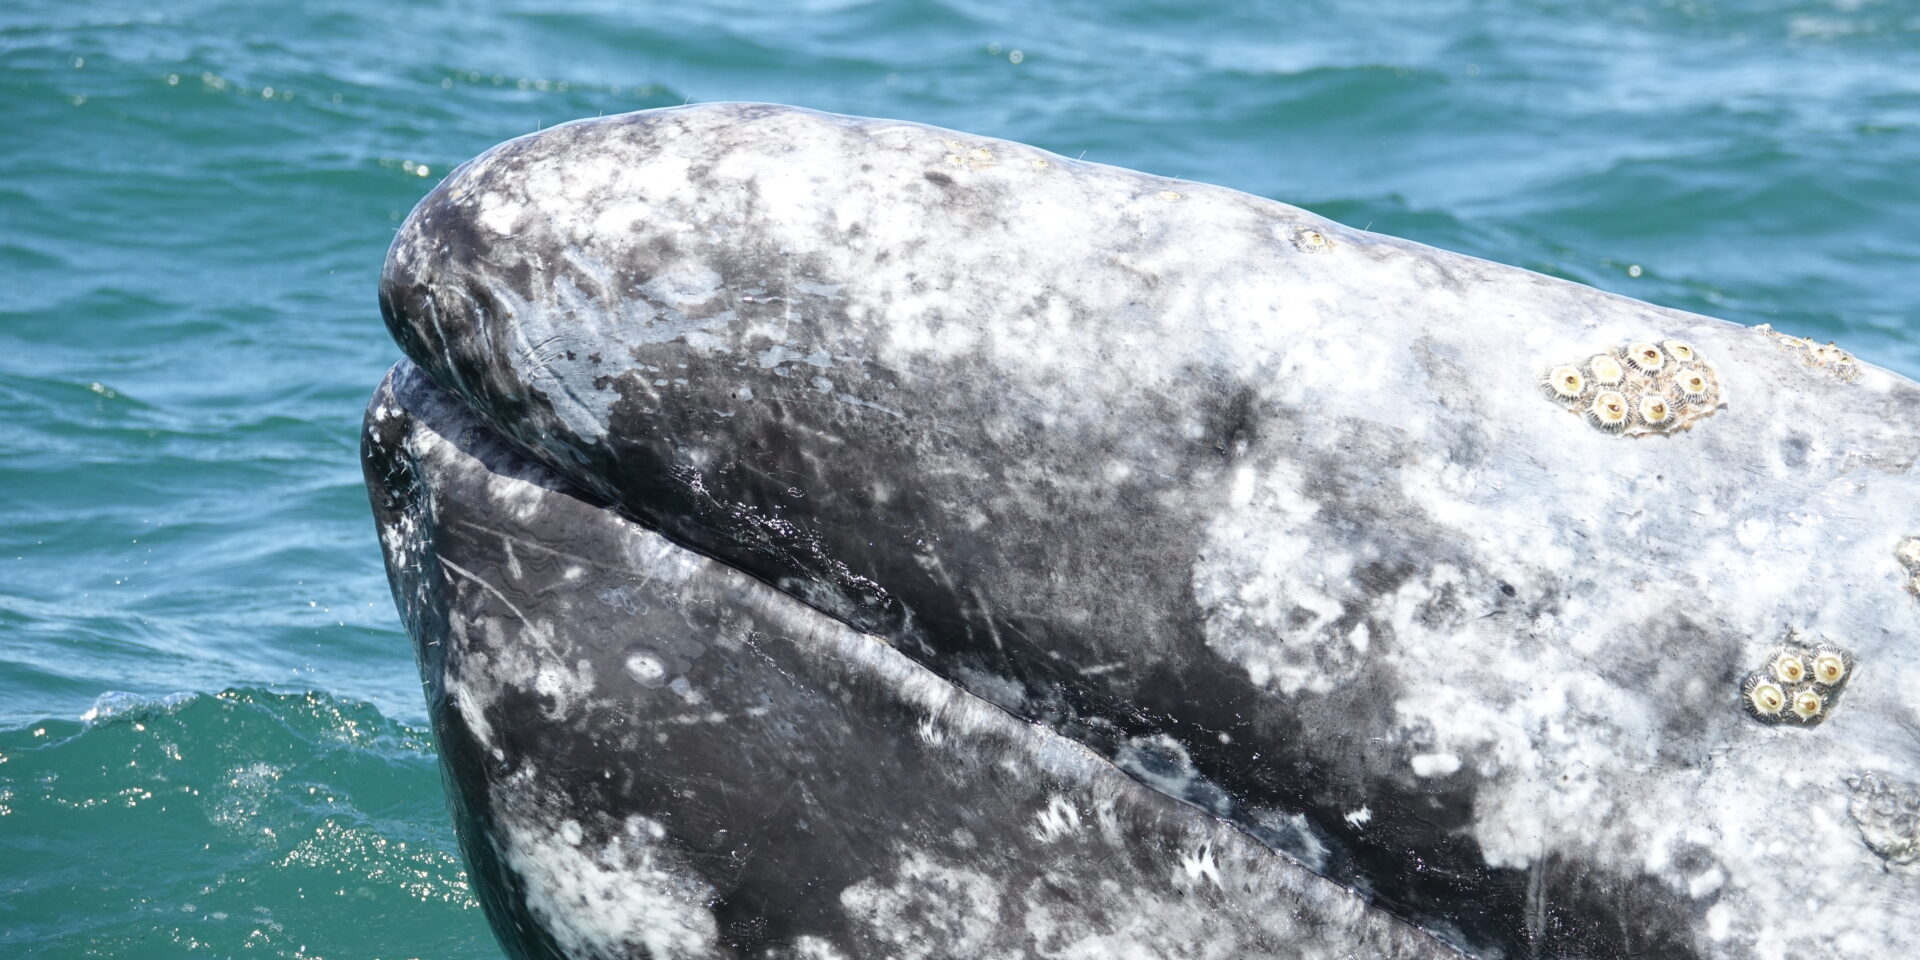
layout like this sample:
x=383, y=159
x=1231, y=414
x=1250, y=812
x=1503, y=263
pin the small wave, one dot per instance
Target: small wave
x=245, y=821
x=120, y=705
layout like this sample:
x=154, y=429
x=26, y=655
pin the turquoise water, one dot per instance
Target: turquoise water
x=211, y=739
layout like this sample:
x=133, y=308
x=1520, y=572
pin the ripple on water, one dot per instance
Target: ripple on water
x=239, y=821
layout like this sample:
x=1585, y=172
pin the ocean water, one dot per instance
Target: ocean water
x=211, y=737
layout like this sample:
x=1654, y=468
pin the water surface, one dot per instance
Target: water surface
x=211, y=738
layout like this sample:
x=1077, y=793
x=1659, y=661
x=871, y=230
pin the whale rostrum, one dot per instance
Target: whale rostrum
x=819, y=530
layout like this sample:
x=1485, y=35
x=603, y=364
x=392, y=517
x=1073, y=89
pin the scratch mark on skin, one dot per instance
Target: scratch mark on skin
x=980, y=603
x=847, y=400
x=484, y=585
x=518, y=541
x=528, y=353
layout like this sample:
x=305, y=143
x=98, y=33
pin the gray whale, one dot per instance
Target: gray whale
x=1490, y=597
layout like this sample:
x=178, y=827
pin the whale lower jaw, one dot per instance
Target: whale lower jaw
x=651, y=754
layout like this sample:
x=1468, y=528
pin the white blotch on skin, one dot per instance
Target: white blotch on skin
x=604, y=899
x=1435, y=764
x=1199, y=863
x=930, y=910
x=1058, y=819
x=686, y=691
x=1719, y=921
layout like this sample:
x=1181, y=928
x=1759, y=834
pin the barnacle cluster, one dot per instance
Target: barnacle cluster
x=1799, y=683
x=1907, y=551
x=1824, y=356
x=1640, y=388
x=976, y=158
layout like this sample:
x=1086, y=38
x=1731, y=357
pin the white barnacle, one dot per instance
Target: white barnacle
x=1679, y=350
x=1565, y=383
x=1608, y=411
x=1789, y=668
x=1829, y=667
x=1645, y=357
x=1655, y=411
x=1807, y=705
x=1606, y=370
x=1765, y=697
x=1694, y=385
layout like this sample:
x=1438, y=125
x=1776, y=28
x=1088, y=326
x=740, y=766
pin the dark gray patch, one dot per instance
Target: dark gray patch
x=1793, y=449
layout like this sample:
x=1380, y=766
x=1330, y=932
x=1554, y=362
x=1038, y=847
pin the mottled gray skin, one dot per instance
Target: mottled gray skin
x=651, y=754
x=1269, y=513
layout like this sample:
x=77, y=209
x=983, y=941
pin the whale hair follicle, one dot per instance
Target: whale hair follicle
x=1643, y=387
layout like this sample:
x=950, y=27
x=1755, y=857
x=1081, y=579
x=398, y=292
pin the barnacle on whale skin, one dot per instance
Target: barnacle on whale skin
x=1645, y=357
x=1564, y=383
x=1645, y=387
x=1798, y=684
x=1764, y=697
x=1907, y=551
x=1608, y=411
x=1789, y=668
x=1655, y=411
x=1829, y=667
x=1694, y=384
x=1828, y=356
x=1606, y=370
x=1808, y=705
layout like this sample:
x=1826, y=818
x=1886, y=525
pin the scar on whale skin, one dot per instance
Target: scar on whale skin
x=1800, y=683
x=1641, y=388
x=1887, y=811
